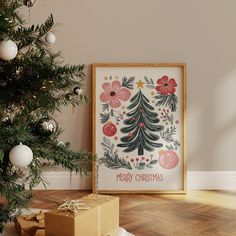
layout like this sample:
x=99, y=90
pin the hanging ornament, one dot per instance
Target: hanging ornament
x=47, y=126
x=50, y=38
x=21, y=156
x=29, y=3
x=6, y=117
x=77, y=90
x=109, y=129
x=168, y=159
x=8, y=50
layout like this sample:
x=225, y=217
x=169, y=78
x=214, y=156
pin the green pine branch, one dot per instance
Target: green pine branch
x=128, y=82
x=168, y=134
x=110, y=157
x=33, y=86
x=170, y=101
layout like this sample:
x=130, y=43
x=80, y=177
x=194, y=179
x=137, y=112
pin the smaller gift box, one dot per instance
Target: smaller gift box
x=40, y=232
x=27, y=225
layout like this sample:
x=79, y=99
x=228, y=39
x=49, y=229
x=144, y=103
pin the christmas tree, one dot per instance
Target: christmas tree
x=33, y=85
x=141, y=126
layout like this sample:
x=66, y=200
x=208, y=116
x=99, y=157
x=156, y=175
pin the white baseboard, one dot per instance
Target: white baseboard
x=211, y=180
x=65, y=180
x=196, y=180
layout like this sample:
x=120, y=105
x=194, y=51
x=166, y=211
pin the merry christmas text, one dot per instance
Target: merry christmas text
x=128, y=177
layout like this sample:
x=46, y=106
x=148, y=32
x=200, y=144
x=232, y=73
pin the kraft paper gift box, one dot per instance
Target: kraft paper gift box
x=114, y=232
x=40, y=232
x=28, y=225
x=108, y=211
x=101, y=218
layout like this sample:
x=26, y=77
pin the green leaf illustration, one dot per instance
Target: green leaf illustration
x=140, y=167
x=149, y=166
x=142, y=164
x=110, y=157
x=170, y=101
x=153, y=162
x=104, y=117
x=128, y=82
x=168, y=133
x=149, y=82
x=105, y=107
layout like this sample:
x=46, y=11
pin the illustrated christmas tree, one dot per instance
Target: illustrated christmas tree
x=33, y=85
x=141, y=126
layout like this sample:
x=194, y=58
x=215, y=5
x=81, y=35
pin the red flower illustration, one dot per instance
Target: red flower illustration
x=165, y=85
x=114, y=93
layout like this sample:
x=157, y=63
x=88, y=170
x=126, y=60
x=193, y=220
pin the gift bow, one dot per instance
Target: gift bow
x=73, y=206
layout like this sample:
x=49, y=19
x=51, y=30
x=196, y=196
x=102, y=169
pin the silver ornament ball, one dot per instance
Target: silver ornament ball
x=47, y=126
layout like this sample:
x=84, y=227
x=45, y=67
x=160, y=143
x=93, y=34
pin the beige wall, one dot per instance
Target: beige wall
x=200, y=33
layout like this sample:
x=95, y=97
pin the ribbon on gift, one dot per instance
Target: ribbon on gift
x=39, y=217
x=73, y=206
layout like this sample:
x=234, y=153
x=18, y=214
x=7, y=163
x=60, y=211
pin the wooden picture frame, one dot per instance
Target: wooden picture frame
x=139, y=128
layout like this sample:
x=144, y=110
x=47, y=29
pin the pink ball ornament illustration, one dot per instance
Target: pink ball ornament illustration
x=168, y=159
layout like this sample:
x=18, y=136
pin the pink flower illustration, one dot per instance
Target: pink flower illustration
x=165, y=85
x=114, y=93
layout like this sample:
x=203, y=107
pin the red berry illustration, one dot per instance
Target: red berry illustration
x=130, y=134
x=141, y=124
x=109, y=129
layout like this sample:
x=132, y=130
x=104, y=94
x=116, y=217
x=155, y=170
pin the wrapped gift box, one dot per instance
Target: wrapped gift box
x=114, y=232
x=40, y=232
x=58, y=223
x=28, y=225
x=108, y=211
x=101, y=218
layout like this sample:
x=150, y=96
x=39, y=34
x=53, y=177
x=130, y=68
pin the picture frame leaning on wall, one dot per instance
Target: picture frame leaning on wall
x=139, y=128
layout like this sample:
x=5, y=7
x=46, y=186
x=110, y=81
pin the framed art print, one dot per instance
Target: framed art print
x=139, y=128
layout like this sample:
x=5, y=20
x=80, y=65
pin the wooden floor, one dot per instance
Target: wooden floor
x=199, y=213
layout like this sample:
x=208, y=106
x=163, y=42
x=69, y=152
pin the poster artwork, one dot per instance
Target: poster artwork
x=139, y=128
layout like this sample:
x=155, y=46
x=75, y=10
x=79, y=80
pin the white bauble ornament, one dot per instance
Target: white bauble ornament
x=50, y=38
x=21, y=156
x=8, y=50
